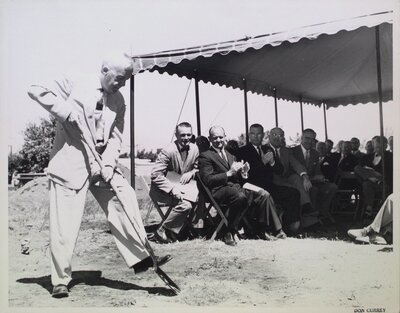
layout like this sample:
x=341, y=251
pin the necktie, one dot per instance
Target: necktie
x=259, y=151
x=223, y=156
x=307, y=157
x=99, y=121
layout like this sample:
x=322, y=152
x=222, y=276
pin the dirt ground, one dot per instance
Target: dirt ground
x=323, y=269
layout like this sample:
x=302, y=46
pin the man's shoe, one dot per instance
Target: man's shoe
x=362, y=240
x=146, y=263
x=377, y=239
x=228, y=239
x=60, y=291
x=281, y=235
x=354, y=233
x=162, y=236
x=266, y=236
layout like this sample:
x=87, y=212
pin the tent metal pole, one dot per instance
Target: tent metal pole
x=246, y=111
x=276, y=108
x=379, y=81
x=197, y=105
x=326, y=128
x=132, y=134
x=301, y=114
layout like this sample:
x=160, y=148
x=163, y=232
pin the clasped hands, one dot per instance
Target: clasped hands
x=268, y=158
x=239, y=167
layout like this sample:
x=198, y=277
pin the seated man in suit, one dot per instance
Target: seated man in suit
x=264, y=162
x=370, y=173
x=293, y=175
x=369, y=149
x=179, y=157
x=321, y=191
x=328, y=163
x=355, y=148
x=224, y=176
x=329, y=146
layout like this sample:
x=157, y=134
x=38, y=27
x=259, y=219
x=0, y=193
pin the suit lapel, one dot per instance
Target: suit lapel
x=220, y=160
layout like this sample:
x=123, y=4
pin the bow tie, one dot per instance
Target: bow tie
x=184, y=148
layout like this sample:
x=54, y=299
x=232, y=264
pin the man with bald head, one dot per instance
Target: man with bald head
x=220, y=172
x=95, y=107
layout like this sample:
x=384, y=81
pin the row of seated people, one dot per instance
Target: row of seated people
x=365, y=167
x=291, y=176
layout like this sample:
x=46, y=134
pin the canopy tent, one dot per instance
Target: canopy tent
x=343, y=62
x=332, y=63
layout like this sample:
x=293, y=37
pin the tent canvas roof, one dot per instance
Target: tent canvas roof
x=333, y=63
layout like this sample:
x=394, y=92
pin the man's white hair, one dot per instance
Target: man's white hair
x=118, y=58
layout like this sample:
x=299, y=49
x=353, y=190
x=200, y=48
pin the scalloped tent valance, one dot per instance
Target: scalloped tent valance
x=333, y=63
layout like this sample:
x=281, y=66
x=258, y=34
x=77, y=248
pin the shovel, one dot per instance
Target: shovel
x=145, y=242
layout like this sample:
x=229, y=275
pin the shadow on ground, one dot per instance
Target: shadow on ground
x=93, y=278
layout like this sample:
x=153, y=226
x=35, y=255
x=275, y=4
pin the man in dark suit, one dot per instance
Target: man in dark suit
x=264, y=162
x=224, y=176
x=321, y=191
x=355, y=148
x=370, y=173
x=328, y=163
x=293, y=175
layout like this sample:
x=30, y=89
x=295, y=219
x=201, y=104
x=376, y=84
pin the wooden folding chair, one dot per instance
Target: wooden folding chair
x=154, y=203
x=210, y=202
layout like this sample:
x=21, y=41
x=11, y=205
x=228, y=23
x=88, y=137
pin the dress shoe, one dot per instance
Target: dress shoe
x=146, y=263
x=377, y=239
x=266, y=236
x=60, y=291
x=164, y=235
x=228, y=239
x=354, y=233
x=281, y=235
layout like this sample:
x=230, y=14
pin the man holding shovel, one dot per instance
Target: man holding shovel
x=90, y=113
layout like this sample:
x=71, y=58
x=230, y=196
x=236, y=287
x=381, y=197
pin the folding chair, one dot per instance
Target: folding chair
x=347, y=199
x=154, y=203
x=210, y=202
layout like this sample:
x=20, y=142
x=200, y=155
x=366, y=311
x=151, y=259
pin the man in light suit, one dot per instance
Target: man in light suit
x=220, y=172
x=179, y=157
x=95, y=108
x=321, y=192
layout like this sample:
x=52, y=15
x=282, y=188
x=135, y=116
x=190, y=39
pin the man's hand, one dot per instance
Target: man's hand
x=268, y=158
x=187, y=177
x=306, y=183
x=107, y=173
x=235, y=167
x=41, y=95
x=176, y=193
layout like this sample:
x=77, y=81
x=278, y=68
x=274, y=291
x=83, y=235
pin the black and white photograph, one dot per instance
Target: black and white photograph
x=200, y=156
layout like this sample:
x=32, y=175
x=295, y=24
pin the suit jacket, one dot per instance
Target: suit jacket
x=313, y=167
x=69, y=164
x=359, y=155
x=260, y=174
x=329, y=166
x=348, y=163
x=169, y=159
x=368, y=161
x=212, y=170
x=289, y=162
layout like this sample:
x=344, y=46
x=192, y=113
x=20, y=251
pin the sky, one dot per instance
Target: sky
x=46, y=38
